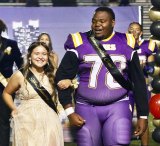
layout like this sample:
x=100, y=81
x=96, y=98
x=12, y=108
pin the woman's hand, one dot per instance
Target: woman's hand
x=64, y=84
x=14, y=112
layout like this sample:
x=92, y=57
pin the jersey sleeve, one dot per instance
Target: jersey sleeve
x=130, y=40
x=67, y=69
x=152, y=46
x=73, y=41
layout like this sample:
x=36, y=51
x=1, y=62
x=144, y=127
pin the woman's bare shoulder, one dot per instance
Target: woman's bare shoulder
x=17, y=75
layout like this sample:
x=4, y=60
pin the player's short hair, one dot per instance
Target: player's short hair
x=107, y=10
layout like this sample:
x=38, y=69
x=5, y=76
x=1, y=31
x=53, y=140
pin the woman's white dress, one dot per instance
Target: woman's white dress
x=36, y=124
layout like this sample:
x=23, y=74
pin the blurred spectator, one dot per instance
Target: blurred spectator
x=4, y=1
x=18, y=1
x=102, y=2
x=124, y=3
x=64, y=2
x=9, y=54
x=32, y=3
x=105, y=2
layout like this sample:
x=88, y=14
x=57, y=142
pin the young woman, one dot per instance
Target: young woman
x=45, y=37
x=35, y=121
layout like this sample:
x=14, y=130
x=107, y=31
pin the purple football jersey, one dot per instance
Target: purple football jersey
x=146, y=48
x=97, y=85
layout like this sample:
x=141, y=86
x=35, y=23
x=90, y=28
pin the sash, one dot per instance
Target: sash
x=42, y=92
x=109, y=64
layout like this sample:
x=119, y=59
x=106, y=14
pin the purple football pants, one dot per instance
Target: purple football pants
x=108, y=125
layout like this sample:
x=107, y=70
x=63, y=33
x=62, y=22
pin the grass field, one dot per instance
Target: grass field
x=135, y=142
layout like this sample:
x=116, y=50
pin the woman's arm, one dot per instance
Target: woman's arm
x=12, y=86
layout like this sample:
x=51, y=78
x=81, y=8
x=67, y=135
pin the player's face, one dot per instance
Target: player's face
x=135, y=29
x=44, y=38
x=102, y=25
x=39, y=57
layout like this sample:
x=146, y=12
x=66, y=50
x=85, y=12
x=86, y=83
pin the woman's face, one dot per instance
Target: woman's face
x=39, y=57
x=44, y=38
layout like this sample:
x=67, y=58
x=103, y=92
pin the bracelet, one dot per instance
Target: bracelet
x=143, y=117
x=69, y=111
x=74, y=83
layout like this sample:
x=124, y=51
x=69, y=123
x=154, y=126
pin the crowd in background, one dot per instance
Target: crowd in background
x=31, y=3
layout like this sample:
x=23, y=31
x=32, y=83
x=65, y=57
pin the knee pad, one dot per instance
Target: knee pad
x=122, y=128
x=83, y=137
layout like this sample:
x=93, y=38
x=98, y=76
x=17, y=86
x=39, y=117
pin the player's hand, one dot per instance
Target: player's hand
x=76, y=120
x=141, y=127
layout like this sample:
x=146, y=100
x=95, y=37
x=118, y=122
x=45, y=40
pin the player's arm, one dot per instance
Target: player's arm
x=139, y=86
x=67, y=70
x=140, y=94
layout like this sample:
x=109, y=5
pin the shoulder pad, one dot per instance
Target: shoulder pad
x=130, y=40
x=151, y=45
x=77, y=39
